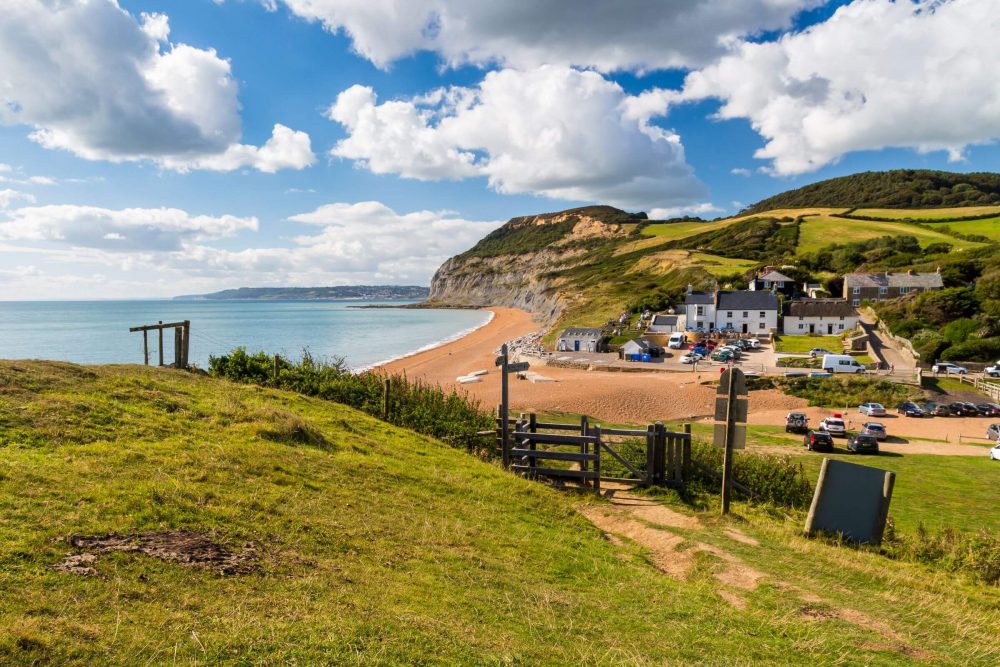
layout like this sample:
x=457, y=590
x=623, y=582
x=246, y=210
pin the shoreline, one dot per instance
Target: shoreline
x=448, y=340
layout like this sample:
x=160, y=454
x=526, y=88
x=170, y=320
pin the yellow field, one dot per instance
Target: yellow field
x=681, y=230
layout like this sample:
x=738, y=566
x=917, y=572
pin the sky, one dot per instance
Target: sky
x=156, y=148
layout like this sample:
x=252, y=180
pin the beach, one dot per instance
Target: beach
x=618, y=398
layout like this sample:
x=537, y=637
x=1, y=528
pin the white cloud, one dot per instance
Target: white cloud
x=704, y=208
x=131, y=229
x=877, y=74
x=621, y=35
x=92, y=80
x=553, y=131
x=740, y=171
x=164, y=252
x=8, y=196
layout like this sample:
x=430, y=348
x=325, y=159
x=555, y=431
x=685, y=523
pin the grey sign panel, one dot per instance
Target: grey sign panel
x=851, y=499
x=739, y=436
x=738, y=378
x=739, y=409
x=518, y=367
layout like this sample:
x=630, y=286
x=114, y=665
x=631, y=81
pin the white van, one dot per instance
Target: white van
x=677, y=341
x=841, y=363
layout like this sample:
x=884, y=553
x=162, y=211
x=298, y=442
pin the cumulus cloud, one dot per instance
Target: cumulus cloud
x=704, y=208
x=92, y=80
x=553, y=131
x=740, y=171
x=130, y=229
x=914, y=74
x=8, y=196
x=168, y=251
x=621, y=35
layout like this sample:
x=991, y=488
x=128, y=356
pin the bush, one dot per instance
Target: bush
x=773, y=479
x=977, y=349
x=974, y=554
x=414, y=405
x=839, y=391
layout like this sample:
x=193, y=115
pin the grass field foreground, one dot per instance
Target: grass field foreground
x=379, y=545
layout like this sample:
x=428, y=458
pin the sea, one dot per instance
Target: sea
x=97, y=332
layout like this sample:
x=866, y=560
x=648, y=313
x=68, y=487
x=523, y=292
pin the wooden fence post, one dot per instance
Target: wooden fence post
x=533, y=428
x=584, y=430
x=186, y=349
x=277, y=369
x=660, y=454
x=686, y=465
x=145, y=347
x=386, y=393
x=160, y=330
x=650, y=454
x=597, y=461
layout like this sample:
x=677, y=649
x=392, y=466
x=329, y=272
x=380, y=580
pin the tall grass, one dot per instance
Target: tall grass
x=975, y=554
x=771, y=479
x=424, y=408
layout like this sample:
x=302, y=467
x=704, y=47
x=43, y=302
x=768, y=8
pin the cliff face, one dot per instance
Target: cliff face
x=512, y=266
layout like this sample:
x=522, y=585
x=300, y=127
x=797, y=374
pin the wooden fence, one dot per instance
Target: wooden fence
x=592, y=454
x=991, y=389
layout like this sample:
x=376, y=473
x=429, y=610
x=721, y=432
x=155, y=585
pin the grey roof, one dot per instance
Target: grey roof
x=663, y=320
x=775, y=277
x=821, y=308
x=747, y=300
x=582, y=332
x=699, y=298
x=641, y=342
x=924, y=280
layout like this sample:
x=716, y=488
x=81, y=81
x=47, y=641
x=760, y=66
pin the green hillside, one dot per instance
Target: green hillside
x=347, y=540
x=902, y=188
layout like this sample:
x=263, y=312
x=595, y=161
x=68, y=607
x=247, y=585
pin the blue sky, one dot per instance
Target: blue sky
x=153, y=148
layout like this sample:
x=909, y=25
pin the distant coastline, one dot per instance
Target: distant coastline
x=334, y=293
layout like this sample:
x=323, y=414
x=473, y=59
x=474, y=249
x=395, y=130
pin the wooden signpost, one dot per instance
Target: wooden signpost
x=730, y=426
x=506, y=368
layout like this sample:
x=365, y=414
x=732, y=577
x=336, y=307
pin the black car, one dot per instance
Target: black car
x=973, y=409
x=859, y=443
x=937, y=409
x=818, y=441
x=910, y=409
x=960, y=409
x=989, y=409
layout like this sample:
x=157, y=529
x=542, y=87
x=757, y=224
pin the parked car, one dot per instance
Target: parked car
x=796, y=422
x=723, y=355
x=876, y=429
x=690, y=358
x=732, y=349
x=818, y=441
x=993, y=431
x=995, y=452
x=841, y=363
x=677, y=341
x=937, y=409
x=960, y=409
x=872, y=409
x=860, y=443
x=833, y=425
x=989, y=409
x=948, y=368
x=993, y=371
x=754, y=343
x=910, y=409
x=818, y=352
x=973, y=409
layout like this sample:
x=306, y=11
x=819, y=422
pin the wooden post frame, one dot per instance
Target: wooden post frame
x=182, y=341
x=733, y=410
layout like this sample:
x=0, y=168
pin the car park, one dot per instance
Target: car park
x=818, y=441
x=993, y=431
x=796, y=422
x=910, y=409
x=989, y=409
x=818, y=352
x=833, y=425
x=872, y=409
x=859, y=443
x=875, y=429
x=949, y=368
x=937, y=409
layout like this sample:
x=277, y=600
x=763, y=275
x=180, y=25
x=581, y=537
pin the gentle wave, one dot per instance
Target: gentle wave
x=444, y=341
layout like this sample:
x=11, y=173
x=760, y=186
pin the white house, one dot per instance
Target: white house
x=820, y=316
x=699, y=310
x=664, y=324
x=747, y=311
x=577, y=339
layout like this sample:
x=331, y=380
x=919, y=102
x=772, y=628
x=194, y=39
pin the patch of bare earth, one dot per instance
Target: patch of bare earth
x=175, y=546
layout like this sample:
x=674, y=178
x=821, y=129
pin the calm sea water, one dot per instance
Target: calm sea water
x=96, y=332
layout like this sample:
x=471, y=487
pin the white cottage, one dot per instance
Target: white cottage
x=577, y=339
x=819, y=316
x=746, y=311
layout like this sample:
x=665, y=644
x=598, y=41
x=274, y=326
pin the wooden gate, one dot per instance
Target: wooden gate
x=591, y=454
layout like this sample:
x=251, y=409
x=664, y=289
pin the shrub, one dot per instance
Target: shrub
x=977, y=349
x=772, y=479
x=976, y=554
x=839, y=391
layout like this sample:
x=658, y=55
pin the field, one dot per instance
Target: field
x=366, y=543
x=681, y=230
x=817, y=232
x=988, y=227
x=926, y=213
x=802, y=344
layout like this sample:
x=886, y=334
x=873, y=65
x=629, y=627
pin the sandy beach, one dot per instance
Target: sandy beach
x=631, y=398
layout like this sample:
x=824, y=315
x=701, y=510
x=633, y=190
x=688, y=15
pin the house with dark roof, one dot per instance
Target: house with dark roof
x=743, y=311
x=664, y=324
x=819, y=316
x=770, y=279
x=581, y=339
x=860, y=287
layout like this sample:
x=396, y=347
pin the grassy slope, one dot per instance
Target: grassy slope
x=383, y=546
x=926, y=213
x=988, y=227
x=816, y=232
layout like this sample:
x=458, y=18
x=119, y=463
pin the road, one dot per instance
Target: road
x=883, y=349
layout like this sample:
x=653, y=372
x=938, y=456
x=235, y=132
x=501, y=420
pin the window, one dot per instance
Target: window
x=699, y=324
x=801, y=326
x=744, y=314
x=762, y=315
x=841, y=326
x=857, y=290
x=904, y=290
x=701, y=310
x=729, y=325
x=841, y=317
x=856, y=302
x=767, y=284
x=760, y=326
x=729, y=313
x=883, y=290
